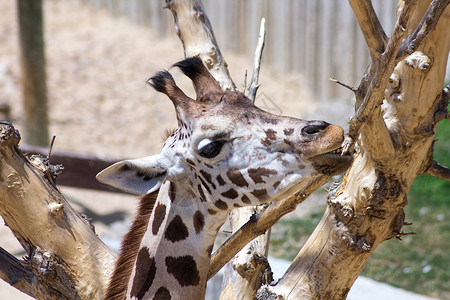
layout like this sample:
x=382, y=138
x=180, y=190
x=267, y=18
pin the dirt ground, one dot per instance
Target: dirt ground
x=97, y=66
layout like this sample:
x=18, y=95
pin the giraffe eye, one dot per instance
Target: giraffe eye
x=210, y=149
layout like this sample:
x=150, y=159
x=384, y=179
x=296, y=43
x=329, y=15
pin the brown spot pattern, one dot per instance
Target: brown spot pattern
x=221, y=205
x=220, y=180
x=266, y=142
x=236, y=177
x=190, y=161
x=259, y=193
x=145, y=274
x=288, y=131
x=245, y=199
x=209, y=250
x=257, y=174
x=199, y=221
x=212, y=211
x=271, y=134
x=160, y=214
x=205, y=185
x=202, y=194
x=276, y=184
x=268, y=120
x=184, y=269
x=207, y=177
x=172, y=192
x=230, y=194
x=162, y=294
x=289, y=143
x=176, y=230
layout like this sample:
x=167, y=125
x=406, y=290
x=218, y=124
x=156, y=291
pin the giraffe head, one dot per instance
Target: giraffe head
x=228, y=152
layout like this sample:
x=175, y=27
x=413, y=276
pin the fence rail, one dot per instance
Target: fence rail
x=317, y=38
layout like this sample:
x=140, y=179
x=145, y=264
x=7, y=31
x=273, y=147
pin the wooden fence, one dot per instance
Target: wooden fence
x=317, y=38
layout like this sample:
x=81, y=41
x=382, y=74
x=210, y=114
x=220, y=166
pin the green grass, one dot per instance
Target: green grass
x=288, y=236
x=419, y=263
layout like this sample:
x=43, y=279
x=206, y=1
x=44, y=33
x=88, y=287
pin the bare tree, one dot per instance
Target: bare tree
x=399, y=102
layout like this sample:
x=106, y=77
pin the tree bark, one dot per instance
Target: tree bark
x=196, y=34
x=395, y=144
x=32, y=63
x=65, y=258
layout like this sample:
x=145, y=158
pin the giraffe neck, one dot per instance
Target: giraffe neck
x=175, y=250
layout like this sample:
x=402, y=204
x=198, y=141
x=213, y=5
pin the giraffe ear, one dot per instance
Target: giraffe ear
x=137, y=176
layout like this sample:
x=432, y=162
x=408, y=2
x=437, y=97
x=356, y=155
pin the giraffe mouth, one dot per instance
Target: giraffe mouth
x=332, y=162
x=336, y=151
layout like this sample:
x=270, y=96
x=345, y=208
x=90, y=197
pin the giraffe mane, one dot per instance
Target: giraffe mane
x=168, y=133
x=117, y=287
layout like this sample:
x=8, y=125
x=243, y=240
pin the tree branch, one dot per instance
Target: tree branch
x=351, y=88
x=23, y=279
x=438, y=170
x=257, y=62
x=370, y=26
x=378, y=79
x=426, y=25
x=63, y=252
x=243, y=273
x=196, y=34
x=260, y=223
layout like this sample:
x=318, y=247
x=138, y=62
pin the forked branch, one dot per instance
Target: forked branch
x=372, y=91
x=426, y=25
x=372, y=88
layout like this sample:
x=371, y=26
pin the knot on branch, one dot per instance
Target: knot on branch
x=264, y=293
x=9, y=136
x=247, y=267
x=50, y=172
x=386, y=187
x=442, y=106
x=418, y=61
x=50, y=268
x=359, y=243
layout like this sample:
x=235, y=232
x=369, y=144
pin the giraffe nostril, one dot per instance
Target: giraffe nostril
x=314, y=128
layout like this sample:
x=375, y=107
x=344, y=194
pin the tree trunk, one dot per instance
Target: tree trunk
x=65, y=258
x=395, y=145
x=32, y=62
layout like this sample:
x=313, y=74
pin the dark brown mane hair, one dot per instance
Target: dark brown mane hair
x=130, y=245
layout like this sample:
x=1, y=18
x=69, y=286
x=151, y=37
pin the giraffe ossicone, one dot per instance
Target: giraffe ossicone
x=225, y=153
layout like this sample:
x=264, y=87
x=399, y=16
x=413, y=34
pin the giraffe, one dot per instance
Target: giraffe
x=225, y=153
